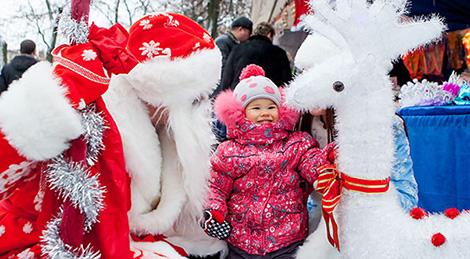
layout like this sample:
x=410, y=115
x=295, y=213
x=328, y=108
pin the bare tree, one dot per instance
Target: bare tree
x=41, y=17
x=214, y=15
x=3, y=52
x=124, y=11
x=44, y=18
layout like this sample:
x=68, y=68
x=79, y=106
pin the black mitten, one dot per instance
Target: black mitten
x=215, y=226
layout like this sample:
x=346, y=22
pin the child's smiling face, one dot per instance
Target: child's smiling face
x=261, y=111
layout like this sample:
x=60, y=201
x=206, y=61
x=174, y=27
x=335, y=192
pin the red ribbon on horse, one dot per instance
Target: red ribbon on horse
x=330, y=183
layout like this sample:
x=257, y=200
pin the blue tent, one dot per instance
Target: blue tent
x=455, y=12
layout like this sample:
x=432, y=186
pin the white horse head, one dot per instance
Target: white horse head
x=355, y=43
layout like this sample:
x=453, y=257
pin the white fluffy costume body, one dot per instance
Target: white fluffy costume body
x=179, y=66
x=368, y=36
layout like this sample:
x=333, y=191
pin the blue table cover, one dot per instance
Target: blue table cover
x=439, y=139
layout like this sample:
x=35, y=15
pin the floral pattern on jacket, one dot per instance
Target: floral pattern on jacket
x=259, y=178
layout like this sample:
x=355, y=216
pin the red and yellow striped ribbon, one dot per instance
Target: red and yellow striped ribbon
x=330, y=183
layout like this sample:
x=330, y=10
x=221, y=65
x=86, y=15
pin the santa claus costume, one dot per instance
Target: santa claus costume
x=64, y=191
x=169, y=166
x=64, y=182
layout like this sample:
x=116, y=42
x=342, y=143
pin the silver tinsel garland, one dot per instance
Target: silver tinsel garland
x=94, y=126
x=74, y=31
x=53, y=247
x=74, y=182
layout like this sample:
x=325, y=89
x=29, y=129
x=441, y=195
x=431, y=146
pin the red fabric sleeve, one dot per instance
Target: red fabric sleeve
x=313, y=158
x=220, y=185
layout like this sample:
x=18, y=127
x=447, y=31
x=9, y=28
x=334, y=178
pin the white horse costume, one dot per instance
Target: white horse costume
x=365, y=38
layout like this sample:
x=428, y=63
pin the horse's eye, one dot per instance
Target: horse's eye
x=338, y=86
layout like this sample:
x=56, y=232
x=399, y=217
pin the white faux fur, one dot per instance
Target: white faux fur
x=176, y=85
x=370, y=226
x=140, y=143
x=180, y=86
x=36, y=117
x=314, y=49
x=173, y=196
x=172, y=82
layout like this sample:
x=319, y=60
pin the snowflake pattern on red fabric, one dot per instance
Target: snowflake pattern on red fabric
x=89, y=55
x=151, y=49
x=10, y=177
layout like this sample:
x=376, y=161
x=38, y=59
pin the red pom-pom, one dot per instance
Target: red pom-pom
x=251, y=70
x=438, y=239
x=418, y=213
x=451, y=213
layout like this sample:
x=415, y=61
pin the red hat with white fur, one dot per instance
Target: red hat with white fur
x=179, y=61
x=167, y=35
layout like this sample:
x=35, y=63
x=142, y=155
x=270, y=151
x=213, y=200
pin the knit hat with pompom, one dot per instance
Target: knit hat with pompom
x=254, y=85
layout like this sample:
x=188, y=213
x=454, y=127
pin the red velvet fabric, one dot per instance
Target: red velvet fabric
x=110, y=236
x=111, y=44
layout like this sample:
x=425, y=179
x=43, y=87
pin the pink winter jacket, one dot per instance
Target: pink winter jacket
x=257, y=176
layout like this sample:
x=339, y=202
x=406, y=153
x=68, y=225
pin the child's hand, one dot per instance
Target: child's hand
x=215, y=226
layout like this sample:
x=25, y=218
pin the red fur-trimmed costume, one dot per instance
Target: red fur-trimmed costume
x=64, y=189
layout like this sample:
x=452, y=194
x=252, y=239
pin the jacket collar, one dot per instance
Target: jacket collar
x=230, y=111
x=260, y=37
x=232, y=37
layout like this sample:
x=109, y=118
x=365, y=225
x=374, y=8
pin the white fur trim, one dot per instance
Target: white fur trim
x=36, y=117
x=171, y=82
x=173, y=195
x=190, y=125
x=140, y=144
x=175, y=84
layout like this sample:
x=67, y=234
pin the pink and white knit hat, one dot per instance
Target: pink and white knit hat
x=254, y=85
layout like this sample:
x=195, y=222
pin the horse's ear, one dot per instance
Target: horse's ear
x=314, y=50
x=404, y=37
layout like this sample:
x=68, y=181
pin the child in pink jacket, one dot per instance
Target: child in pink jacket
x=257, y=198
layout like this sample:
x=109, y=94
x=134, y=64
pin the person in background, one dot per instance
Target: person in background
x=259, y=50
x=240, y=31
x=18, y=65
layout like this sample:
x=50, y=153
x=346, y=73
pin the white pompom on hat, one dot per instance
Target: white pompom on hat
x=254, y=85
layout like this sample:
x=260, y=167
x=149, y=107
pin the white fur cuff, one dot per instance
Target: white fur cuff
x=36, y=117
x=173, y=82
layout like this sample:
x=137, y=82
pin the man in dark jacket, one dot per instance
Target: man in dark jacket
x=258, y=50
x=18, y=65
x=240, y=31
